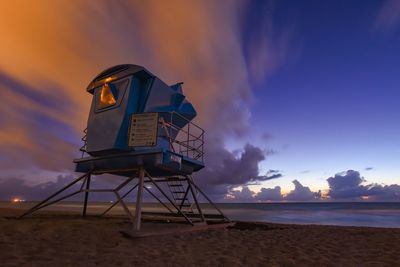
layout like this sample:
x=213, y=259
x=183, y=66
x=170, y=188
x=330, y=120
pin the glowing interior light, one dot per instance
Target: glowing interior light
x=108, y=79
x=106, y=97
x=16, y=200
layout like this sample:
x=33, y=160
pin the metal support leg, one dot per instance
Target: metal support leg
x=184, y=198
x=56, y=200
x=86, y=195
x=195, y=200
x=138, y=208
x=124, y=206
x=208, y=199
x=116, y=202
x=123, y=184
x=159, y=200
x=41, y=204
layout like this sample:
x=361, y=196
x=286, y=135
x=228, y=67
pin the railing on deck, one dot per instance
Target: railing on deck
x=84, y=140
x=188, y=140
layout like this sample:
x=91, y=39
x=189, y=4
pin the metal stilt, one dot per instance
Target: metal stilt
x=195, y=200
x=124, y=206
x=40, y=204
x=138, y=206
x=159, y=200
x=116, y=202
x=86, y=195
x=208, y=199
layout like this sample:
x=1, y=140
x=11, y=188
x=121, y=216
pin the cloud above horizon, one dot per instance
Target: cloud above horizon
x=302, y=193
x=344, y=186
x=350, y=185
x=299, y=193
x=269, y=194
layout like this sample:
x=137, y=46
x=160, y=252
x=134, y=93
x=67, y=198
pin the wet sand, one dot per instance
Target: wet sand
x=60, y=239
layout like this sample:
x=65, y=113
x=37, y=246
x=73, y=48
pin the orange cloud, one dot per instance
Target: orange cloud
x=55, y=48
x=193, y=41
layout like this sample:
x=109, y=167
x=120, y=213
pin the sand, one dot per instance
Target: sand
x=55, y=239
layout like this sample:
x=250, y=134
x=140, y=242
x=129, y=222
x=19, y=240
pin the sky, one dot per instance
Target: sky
x=299, y=99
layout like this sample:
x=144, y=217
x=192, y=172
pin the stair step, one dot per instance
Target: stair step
x=174, y=179
x=179, y=192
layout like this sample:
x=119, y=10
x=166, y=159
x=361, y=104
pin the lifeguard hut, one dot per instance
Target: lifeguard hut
x=141, y=128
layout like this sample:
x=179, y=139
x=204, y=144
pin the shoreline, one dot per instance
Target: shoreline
x=66, y=239
x=379, y=215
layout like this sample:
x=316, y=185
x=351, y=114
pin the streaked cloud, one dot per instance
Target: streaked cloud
x=268, y=48
x=388, y=18
x=270, y=175
x=51, y=50
x=34, y=132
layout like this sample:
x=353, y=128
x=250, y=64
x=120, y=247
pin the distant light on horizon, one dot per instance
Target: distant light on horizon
x=17, y=200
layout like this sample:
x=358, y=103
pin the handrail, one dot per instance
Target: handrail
x=84, y=140
x=187, y=140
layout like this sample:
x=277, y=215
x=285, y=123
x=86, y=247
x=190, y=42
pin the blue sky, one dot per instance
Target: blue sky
x=335, y=106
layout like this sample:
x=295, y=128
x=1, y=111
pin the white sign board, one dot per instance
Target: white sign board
x=143, y=129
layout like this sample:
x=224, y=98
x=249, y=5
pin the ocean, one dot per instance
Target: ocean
x=371, y=214
x=377, y=214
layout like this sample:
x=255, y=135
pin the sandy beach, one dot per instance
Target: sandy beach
x=55, y=239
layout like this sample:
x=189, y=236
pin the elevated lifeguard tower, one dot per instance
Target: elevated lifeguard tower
x=141, y=128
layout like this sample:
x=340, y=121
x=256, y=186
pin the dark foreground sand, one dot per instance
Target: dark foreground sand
x=68, y=240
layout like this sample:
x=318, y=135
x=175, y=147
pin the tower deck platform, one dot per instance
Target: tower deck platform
x=156, y=161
